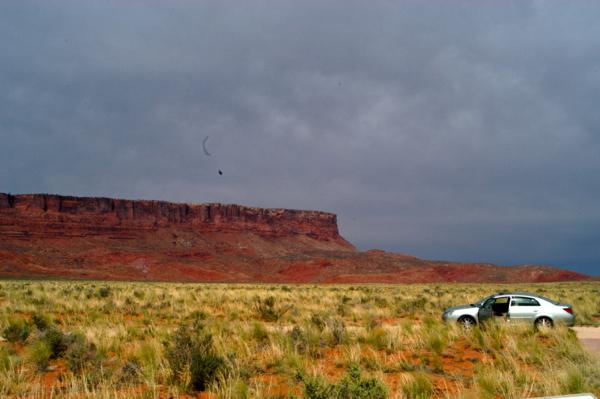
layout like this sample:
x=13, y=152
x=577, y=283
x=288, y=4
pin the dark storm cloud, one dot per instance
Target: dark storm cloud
x=462, y=130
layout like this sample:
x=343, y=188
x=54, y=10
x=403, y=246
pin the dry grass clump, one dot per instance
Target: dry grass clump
x=155, y=340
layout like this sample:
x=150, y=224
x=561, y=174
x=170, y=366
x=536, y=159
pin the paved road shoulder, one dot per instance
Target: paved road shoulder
x=590, y=338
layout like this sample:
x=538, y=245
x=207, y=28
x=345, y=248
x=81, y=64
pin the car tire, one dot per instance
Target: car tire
x=467, y=322
x=543, y=322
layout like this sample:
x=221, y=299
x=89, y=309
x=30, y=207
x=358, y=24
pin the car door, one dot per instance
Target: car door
x=485, y=310
x=523, y=308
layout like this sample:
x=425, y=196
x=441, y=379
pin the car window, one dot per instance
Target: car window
x=503, y=299
x=523, y=301
x=549, y=300
x=483, y=301
x=488, y=303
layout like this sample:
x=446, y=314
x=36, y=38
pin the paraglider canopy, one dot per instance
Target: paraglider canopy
x=204, y=146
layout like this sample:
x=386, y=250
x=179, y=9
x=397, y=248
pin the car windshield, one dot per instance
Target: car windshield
x=482, y=301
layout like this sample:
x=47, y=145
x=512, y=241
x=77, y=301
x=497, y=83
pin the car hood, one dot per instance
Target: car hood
x=461, y=307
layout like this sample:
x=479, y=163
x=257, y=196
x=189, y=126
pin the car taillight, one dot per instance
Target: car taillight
x=568, y=310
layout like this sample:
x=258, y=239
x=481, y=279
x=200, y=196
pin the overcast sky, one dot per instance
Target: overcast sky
x=460, y=130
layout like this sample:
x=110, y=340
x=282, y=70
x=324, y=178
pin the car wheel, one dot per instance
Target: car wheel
x=543, y=322
x=467, y=322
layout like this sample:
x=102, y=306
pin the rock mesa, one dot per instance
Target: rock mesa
x=44, y=235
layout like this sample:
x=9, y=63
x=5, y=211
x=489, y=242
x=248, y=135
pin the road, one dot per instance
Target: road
x=590, y=338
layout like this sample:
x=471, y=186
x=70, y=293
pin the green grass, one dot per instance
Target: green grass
x=92, y=339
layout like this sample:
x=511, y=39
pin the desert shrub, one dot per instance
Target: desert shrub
x=405, y=365
x=130, y=372
x=298, y=339
x=192, y=358
x=109, y=307
x=354, y=386
x=41, y=321
x=57, y=342
x=198, y=315
x=342, y=310
x=338, y=331
x=267, y=310
x=380, y=302
x=139, y=294
x=351, y=386
x=17, y=330
x=104, y=292
x=318, y=321
x=39, y=354
x=317, y=388
x=373, y=322
x=260, y=333
x=80, y=353
x=418, y=388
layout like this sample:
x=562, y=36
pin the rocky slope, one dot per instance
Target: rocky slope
x=45, y=235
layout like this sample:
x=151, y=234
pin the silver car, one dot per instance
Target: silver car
x=512, y=306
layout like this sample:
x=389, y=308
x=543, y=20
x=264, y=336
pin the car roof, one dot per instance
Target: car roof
x=517, y=293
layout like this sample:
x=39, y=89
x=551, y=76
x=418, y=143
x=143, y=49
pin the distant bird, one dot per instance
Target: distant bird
x=204, y=146
x=220, y=172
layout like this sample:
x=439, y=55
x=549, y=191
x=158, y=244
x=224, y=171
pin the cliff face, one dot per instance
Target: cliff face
x=45, y=235
x=43, y=215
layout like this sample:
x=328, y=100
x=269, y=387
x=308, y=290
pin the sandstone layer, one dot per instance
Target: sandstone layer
x=43, y=235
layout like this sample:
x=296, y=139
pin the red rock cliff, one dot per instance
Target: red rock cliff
x=56, y=236
x=45, y=214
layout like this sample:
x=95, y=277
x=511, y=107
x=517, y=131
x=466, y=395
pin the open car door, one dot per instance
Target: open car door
x=485, y=311
x=494, y=307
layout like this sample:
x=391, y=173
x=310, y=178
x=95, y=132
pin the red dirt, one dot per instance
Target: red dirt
x=51, y=236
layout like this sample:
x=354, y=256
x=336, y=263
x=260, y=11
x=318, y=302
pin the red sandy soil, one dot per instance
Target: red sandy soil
x=51, y=236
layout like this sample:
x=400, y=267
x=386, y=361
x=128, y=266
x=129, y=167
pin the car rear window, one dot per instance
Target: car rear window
x=549, y=300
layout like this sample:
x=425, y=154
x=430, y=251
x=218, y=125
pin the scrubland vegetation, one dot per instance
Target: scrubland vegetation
x=160, y=340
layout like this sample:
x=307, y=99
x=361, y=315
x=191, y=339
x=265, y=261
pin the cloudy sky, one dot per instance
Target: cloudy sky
x=463, y=130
